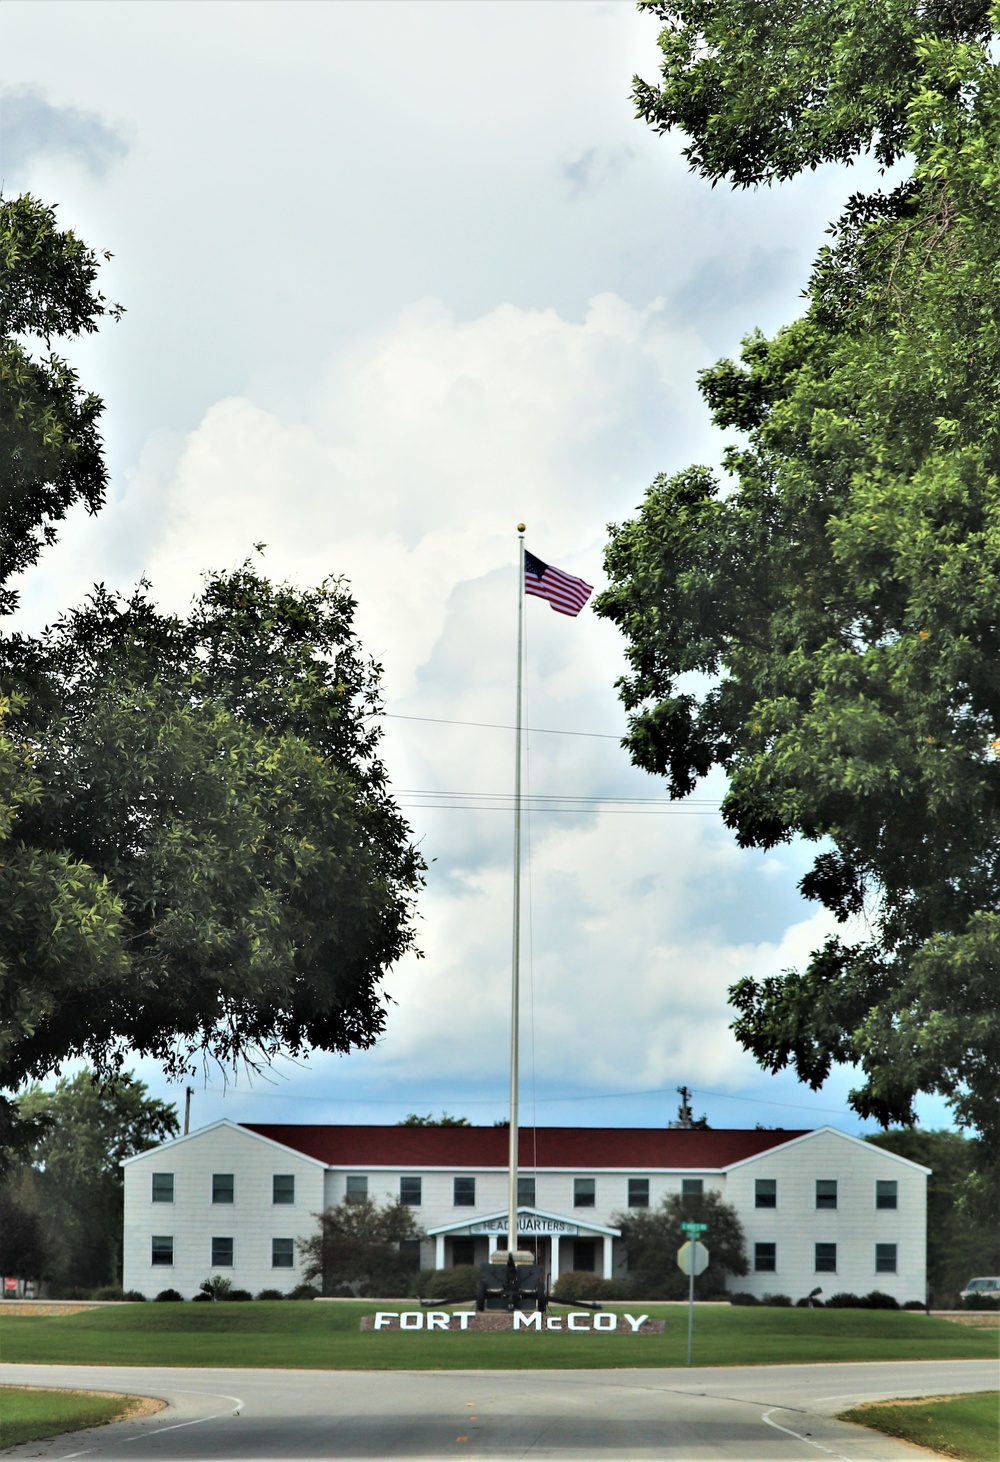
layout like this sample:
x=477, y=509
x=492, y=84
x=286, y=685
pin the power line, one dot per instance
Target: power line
x=543, y=1101
x=498, y=726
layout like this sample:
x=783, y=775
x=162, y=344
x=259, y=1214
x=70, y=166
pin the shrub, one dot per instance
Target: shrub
x=804, y=1303
x=582, y=1285
x=270, y=1294
x=777, y=1301
x=741, y=1298
x=914, y=1305
x=242, y=1295
x=876, y=1300
x=218, y=1287
x=136, y=1296
x=304, y=1292
x=980, y=1302
x=201, y=1298
x=458, y=1283
x=844, y=1301
x=169, y=1296
x=109, y=1292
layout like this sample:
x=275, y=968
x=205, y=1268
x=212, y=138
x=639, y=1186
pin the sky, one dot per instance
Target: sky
x=398, y=276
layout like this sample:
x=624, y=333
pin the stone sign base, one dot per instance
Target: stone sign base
x=576, y=1322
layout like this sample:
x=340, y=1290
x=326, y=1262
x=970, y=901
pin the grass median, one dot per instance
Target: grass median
x=327, y=1337
x=31, y=1413
x=966, y=1427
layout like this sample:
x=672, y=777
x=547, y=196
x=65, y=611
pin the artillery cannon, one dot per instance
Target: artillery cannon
x=512, y=1281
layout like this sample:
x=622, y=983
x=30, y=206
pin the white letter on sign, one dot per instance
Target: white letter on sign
x=606, y=1321
x=438, y=1319
x=464, y=1316
x=636, y=1321
x=384, y=1318
x=523, y=1321
x=577, y=1315
x=554, y=1322
x=411, y=1320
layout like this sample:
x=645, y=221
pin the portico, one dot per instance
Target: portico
x=548, y=1235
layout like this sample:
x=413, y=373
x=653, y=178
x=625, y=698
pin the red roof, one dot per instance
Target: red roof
x=634, y=1148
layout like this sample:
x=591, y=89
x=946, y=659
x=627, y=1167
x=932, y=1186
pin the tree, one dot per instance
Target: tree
x=826, y=629
x=359, y=1248
x=70, y=1189
x=445, y=1120
x=199, y=854
x=652, y=1237
x=218, y=774
x=50, y=449
x=963, y=1236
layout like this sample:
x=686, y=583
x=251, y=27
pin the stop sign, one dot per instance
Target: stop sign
x=692, y=1257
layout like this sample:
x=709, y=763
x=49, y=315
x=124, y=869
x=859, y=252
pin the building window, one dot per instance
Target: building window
x=222, y=1253
x=283, y=1188
x=584, y=1193
x=826, y=1258
x=465, y=1193
x=356, y=1189
x=409, y=1252
x=411, y=1191
x=886, y=1193
x=526, y=1192
x=638, y=1192
x=162, y=1249
x=692, y=1188
x=885, y=1258
x=765, y=1193
x=826, y=1192
x=282, y=1253
x=585, y=1255
x=223, y=1189
x=163, y=1187
x=463, y=1251
x=765, y=1258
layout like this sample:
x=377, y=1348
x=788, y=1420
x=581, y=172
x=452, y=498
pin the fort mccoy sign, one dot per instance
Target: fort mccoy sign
x=578, y=1322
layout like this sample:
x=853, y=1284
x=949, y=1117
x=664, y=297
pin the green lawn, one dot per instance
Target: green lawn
x=967, y=1427
x=306, y=1335
x=28, y=1415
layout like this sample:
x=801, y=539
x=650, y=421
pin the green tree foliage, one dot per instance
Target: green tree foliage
x=219, y=773
x=357, y=1249
x=445, y=1120
x=198, y=850
x=764, y=90
x=69, y=1189
x=50, y=448
x=652, y=1237
x=826, y=626
x=963, y=1236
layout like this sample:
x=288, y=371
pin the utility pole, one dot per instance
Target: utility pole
x=188, y=1094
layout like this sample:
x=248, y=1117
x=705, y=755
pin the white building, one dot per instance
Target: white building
x=818, y=1208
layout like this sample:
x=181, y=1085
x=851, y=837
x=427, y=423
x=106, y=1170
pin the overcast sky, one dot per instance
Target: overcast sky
x=398, y=275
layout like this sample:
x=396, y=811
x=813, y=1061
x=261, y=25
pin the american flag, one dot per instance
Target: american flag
x=566, y=594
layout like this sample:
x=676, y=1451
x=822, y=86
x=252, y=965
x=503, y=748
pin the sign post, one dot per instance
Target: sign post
x=692, y=1259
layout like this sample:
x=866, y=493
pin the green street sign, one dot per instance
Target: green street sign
x=695, y=1228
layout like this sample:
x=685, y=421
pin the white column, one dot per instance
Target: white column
x=608, y=1253
x=554, y=1260
x=439, y=1251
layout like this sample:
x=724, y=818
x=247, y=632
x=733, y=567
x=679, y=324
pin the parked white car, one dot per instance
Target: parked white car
x=985, y=1288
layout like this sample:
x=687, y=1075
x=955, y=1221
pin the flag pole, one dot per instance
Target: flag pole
x=516, y=951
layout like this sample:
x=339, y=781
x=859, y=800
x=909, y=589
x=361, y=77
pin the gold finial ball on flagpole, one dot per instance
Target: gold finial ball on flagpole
x=520, y=527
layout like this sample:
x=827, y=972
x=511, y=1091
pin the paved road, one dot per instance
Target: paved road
x=753, y=1413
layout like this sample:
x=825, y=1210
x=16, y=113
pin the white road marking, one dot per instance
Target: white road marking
x=766, y=1418
x=174, y=1426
